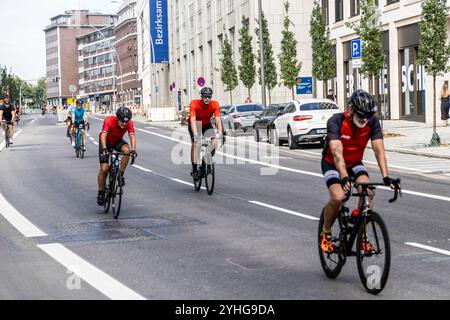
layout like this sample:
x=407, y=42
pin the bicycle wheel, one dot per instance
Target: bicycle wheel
x=373, y=260
x=82, y=149
x=108, y=190
x=117, y=196
x=7, y=138
x=209, y=178
x=332, y=263
x=198, y=182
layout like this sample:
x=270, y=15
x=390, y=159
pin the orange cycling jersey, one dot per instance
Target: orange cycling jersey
x=202, y=113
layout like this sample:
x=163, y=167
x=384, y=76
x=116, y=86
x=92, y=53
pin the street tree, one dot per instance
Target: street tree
x=270, y=70
x=247, y=68
x=228, y=69
x=434, y=50
x=324, y=62
x=289, y=65
x=370, y=31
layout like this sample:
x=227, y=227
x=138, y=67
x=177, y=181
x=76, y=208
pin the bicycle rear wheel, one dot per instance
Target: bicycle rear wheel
x=373, y=260
x=198, y=182
x=117, y=196
x=7, y=138
x=332, y=263
x=209, y=178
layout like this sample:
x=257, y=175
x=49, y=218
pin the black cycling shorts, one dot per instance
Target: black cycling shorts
x=207, y=131
x=332, y=176
x=117, y=147
x=9, y=121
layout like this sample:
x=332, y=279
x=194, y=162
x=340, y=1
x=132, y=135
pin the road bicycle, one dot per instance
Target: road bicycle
x=372, y=250
x=80, y=144
x=7, y=134
x=114, y=183
x=206, y=169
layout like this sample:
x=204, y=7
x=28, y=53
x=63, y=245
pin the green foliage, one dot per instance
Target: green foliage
x=247, y=68
x=270, y=70
x=229, y=73
x=289, y=65
x=369, y=31
x=324, y=62
x=10, y=85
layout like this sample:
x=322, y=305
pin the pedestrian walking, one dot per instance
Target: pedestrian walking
x=445, y=104
x=248, y=100
x=331, y=95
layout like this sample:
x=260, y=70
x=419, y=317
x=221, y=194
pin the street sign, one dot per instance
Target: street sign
x=72, y=88
x=356, y=49
x=304, y=85
x=356, y=63
x=201, y=81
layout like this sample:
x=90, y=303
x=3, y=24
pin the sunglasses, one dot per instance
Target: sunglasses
x=364, y=116
x=207, y=98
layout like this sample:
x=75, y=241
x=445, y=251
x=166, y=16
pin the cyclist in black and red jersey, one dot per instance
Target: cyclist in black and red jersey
x=347, y=136
x=111, y=137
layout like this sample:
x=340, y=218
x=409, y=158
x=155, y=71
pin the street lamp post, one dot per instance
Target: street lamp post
x=261, y=56
x=188, y=35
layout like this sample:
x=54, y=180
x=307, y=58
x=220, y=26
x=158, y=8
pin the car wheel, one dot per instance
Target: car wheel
x=256, y=135
x=275, y=139
x=291, y=142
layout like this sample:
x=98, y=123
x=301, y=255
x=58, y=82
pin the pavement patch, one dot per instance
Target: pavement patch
x=253, y=263
x=114, y=231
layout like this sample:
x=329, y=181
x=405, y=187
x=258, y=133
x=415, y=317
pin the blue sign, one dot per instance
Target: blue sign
x=356, y=49
x=159, y=31
x=304, y=85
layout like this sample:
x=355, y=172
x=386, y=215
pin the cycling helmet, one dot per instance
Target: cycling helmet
x=124, y=114
x=206, y=92
x=79, y=101
x=363, y=104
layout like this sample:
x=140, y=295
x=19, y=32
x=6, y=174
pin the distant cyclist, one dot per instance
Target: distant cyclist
x=201, y=111
x=7, y=115
x=111, y=138
x=347, y=136
x=79, y=118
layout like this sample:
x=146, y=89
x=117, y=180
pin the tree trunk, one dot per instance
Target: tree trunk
x=324, y=88
x=377, y=97
x=270, y=96
x=434, y=104
x=293, y=94
x=231, y=97
x=371, y=84
x=249, y=93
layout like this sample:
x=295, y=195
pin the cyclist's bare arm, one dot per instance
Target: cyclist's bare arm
x=194, y=125
x=103, y=140
x=337, y=150
x=378, y=149
x=133, y=141
x=219, y=125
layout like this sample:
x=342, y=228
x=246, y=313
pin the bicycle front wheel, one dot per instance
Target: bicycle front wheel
x=332, y=263
x=82, y=148
x=210, y=178
x=7, y=138
x=117, y=196
x=373, y=253
x=107, y=202
x=198, y=182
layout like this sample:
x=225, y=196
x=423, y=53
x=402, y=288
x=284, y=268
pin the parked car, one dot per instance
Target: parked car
x=264, y=122
x=223, y=112
x=303, y=121
x=241, y=116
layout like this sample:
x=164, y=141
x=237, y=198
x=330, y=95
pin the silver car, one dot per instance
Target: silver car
x=223, y=112
x=241, y=117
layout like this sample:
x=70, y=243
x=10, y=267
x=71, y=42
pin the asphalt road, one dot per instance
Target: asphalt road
x=174, y=243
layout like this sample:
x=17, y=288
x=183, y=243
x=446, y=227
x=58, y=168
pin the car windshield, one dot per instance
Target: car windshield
x=318, y=106
x=249, y=107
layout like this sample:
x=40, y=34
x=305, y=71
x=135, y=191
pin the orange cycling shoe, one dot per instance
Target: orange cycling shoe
x=327, y=243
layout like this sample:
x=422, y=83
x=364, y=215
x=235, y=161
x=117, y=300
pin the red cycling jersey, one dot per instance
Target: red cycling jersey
x=114, y=132
x=204, y=114
x=354, y=140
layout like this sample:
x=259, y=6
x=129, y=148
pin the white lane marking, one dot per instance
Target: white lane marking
x=101, y=281
x=96, y=118
x=298, y=214
x=33, y=121
x=186, y=183
x=22, y=224
x=173, y=179
x=421, y=246
x=420, y=194
x=3, y=143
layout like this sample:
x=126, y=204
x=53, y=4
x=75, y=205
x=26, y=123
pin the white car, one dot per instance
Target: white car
x=303, y=121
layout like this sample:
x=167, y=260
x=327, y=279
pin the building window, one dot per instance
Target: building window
x=354, y=8
x=325, y=11
x=339, y=10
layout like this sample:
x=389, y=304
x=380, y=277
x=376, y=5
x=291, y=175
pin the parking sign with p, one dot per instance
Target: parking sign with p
x=356, y=49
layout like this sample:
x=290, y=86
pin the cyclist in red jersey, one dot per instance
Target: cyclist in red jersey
x=347, y=136
x=111, y=137
x=201, y=112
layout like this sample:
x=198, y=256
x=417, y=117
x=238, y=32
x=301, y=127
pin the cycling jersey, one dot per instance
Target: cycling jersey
x=70, y=111
x=7, y=112
x=79, y=114
x=114, y=132
x=354, y=140
x=204, y=114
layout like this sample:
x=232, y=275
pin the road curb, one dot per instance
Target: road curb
x=415, y=153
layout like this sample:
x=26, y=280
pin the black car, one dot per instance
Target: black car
x=264, y=123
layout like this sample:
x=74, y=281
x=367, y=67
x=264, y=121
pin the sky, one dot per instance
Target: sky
x=23, y=41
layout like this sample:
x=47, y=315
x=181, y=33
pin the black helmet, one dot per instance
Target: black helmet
x=79, y=101
x=124, y=114
x=363, y=103
x=206, y=92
